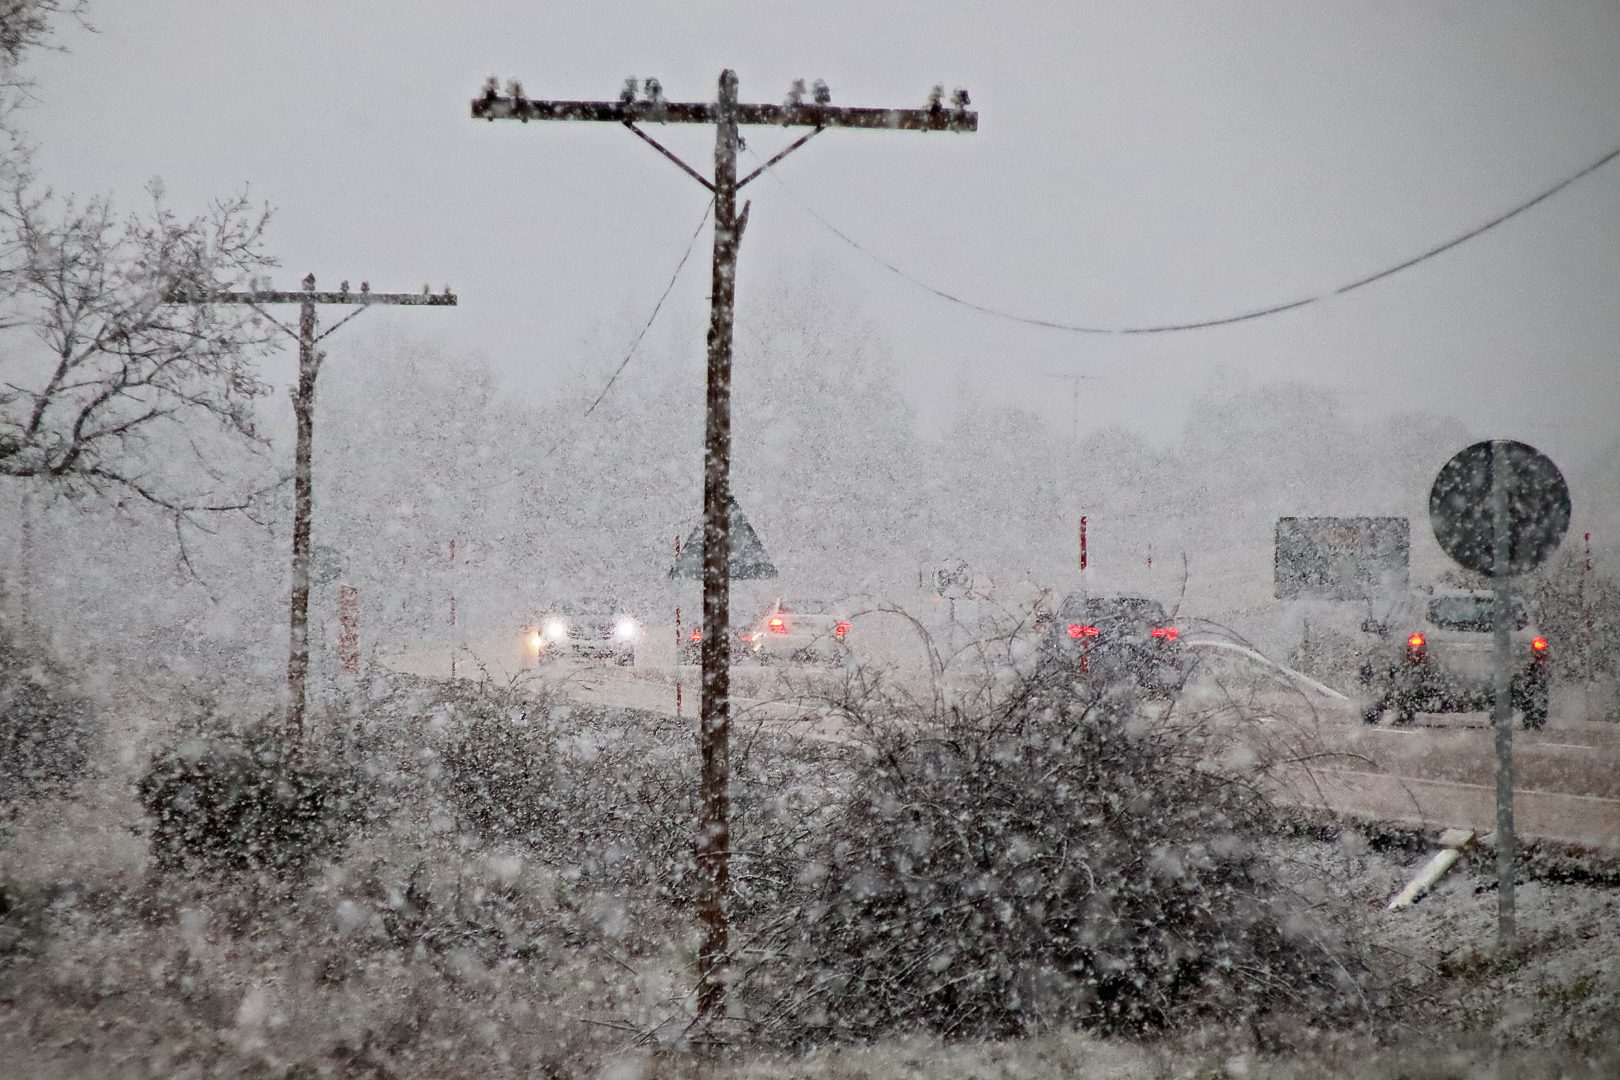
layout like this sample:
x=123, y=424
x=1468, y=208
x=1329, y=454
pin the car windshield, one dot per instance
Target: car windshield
x=1471, y=613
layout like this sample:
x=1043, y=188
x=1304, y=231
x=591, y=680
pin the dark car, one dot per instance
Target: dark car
x=798, y=631
x=1099, y=638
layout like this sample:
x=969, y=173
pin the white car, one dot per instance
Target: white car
x=1444, y=660
x=590, y=628
x=803, y=631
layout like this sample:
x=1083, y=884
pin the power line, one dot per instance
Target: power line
x=687, y=254
x=628, y=355
x=1202, y=324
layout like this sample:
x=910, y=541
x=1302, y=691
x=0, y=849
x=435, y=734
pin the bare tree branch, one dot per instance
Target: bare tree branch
x=96, y=363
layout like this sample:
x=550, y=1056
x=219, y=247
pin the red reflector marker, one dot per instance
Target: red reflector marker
x=1078, y=630
x=1169, y=633
x=841, y=629
x=1415, y=641
x=697, y=635
x=777, y=625
x=1539, y=644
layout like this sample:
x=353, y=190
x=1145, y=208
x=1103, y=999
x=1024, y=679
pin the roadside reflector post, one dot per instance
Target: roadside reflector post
x=349, y=629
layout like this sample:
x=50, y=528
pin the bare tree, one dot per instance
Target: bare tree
x=26, y=25
x=97, y=363
x=93, y=364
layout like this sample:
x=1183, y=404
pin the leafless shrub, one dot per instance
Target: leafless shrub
x=1059, y=856
x=224, y=801
x=610, y=796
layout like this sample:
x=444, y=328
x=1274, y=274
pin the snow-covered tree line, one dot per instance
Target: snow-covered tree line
x=421, y=447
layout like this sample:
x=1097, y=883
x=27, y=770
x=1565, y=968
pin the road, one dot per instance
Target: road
x=1438, y=774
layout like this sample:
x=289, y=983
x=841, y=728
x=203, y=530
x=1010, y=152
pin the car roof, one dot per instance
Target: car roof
x=587, y=605
x=1108, y=598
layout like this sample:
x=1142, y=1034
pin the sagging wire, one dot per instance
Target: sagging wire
x=1200, y=324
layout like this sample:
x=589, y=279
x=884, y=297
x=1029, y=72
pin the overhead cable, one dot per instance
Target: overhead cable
x=1199, y=324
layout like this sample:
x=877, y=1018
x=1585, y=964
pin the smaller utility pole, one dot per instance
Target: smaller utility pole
x=1074, y=381
x=309, y=366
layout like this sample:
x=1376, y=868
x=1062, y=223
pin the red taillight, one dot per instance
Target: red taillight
x=1415, y=641
x=841, y=629
x=1080, y=630
x=1168, y=633
x=776, y=624
x=1539, y=644
x=697, y=635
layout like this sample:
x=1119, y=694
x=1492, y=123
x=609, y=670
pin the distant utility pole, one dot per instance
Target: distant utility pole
x=1075, y=381
x=646, y=104
x=309, y=366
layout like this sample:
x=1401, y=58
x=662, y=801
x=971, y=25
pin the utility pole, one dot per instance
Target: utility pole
x=309, y=366
x=647, y=104
x=1074, y=380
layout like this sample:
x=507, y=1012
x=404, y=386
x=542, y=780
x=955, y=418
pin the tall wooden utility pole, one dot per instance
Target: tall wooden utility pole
x=647, y=104
x=309, y=366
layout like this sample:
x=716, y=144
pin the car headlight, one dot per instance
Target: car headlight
x=626, y=629
x=555, y=630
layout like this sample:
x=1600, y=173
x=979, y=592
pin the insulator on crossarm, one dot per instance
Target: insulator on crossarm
x=627, y=95
x=961, y=99
x=654, y=91
x=822, y=92
x=936, y=98
x=796, y=93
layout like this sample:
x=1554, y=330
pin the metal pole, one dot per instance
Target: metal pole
x=1502, y=713
x=303, y=511
x=452, y=607
x=714, y=728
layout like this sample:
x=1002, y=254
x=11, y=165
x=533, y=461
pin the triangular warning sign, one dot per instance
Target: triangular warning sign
x=748, y=558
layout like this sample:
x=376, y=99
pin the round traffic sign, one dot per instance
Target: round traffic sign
x=1537, y=506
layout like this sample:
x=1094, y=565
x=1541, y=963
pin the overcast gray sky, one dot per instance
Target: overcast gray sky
x=1137, y=162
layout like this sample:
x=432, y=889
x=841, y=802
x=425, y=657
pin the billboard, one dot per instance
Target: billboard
x=1333, y=558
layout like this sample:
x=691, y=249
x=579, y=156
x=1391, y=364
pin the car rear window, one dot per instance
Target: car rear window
x=1115, y=609
x=1471, y=613
x=805, y=607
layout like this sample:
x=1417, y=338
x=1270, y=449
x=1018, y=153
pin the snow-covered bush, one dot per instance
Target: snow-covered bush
x=45, y=729
x=611, y=797
x=1058, y=859
x=223, y=801
x=498, y=763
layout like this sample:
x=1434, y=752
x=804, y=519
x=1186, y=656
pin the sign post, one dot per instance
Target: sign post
x=1500, y=508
